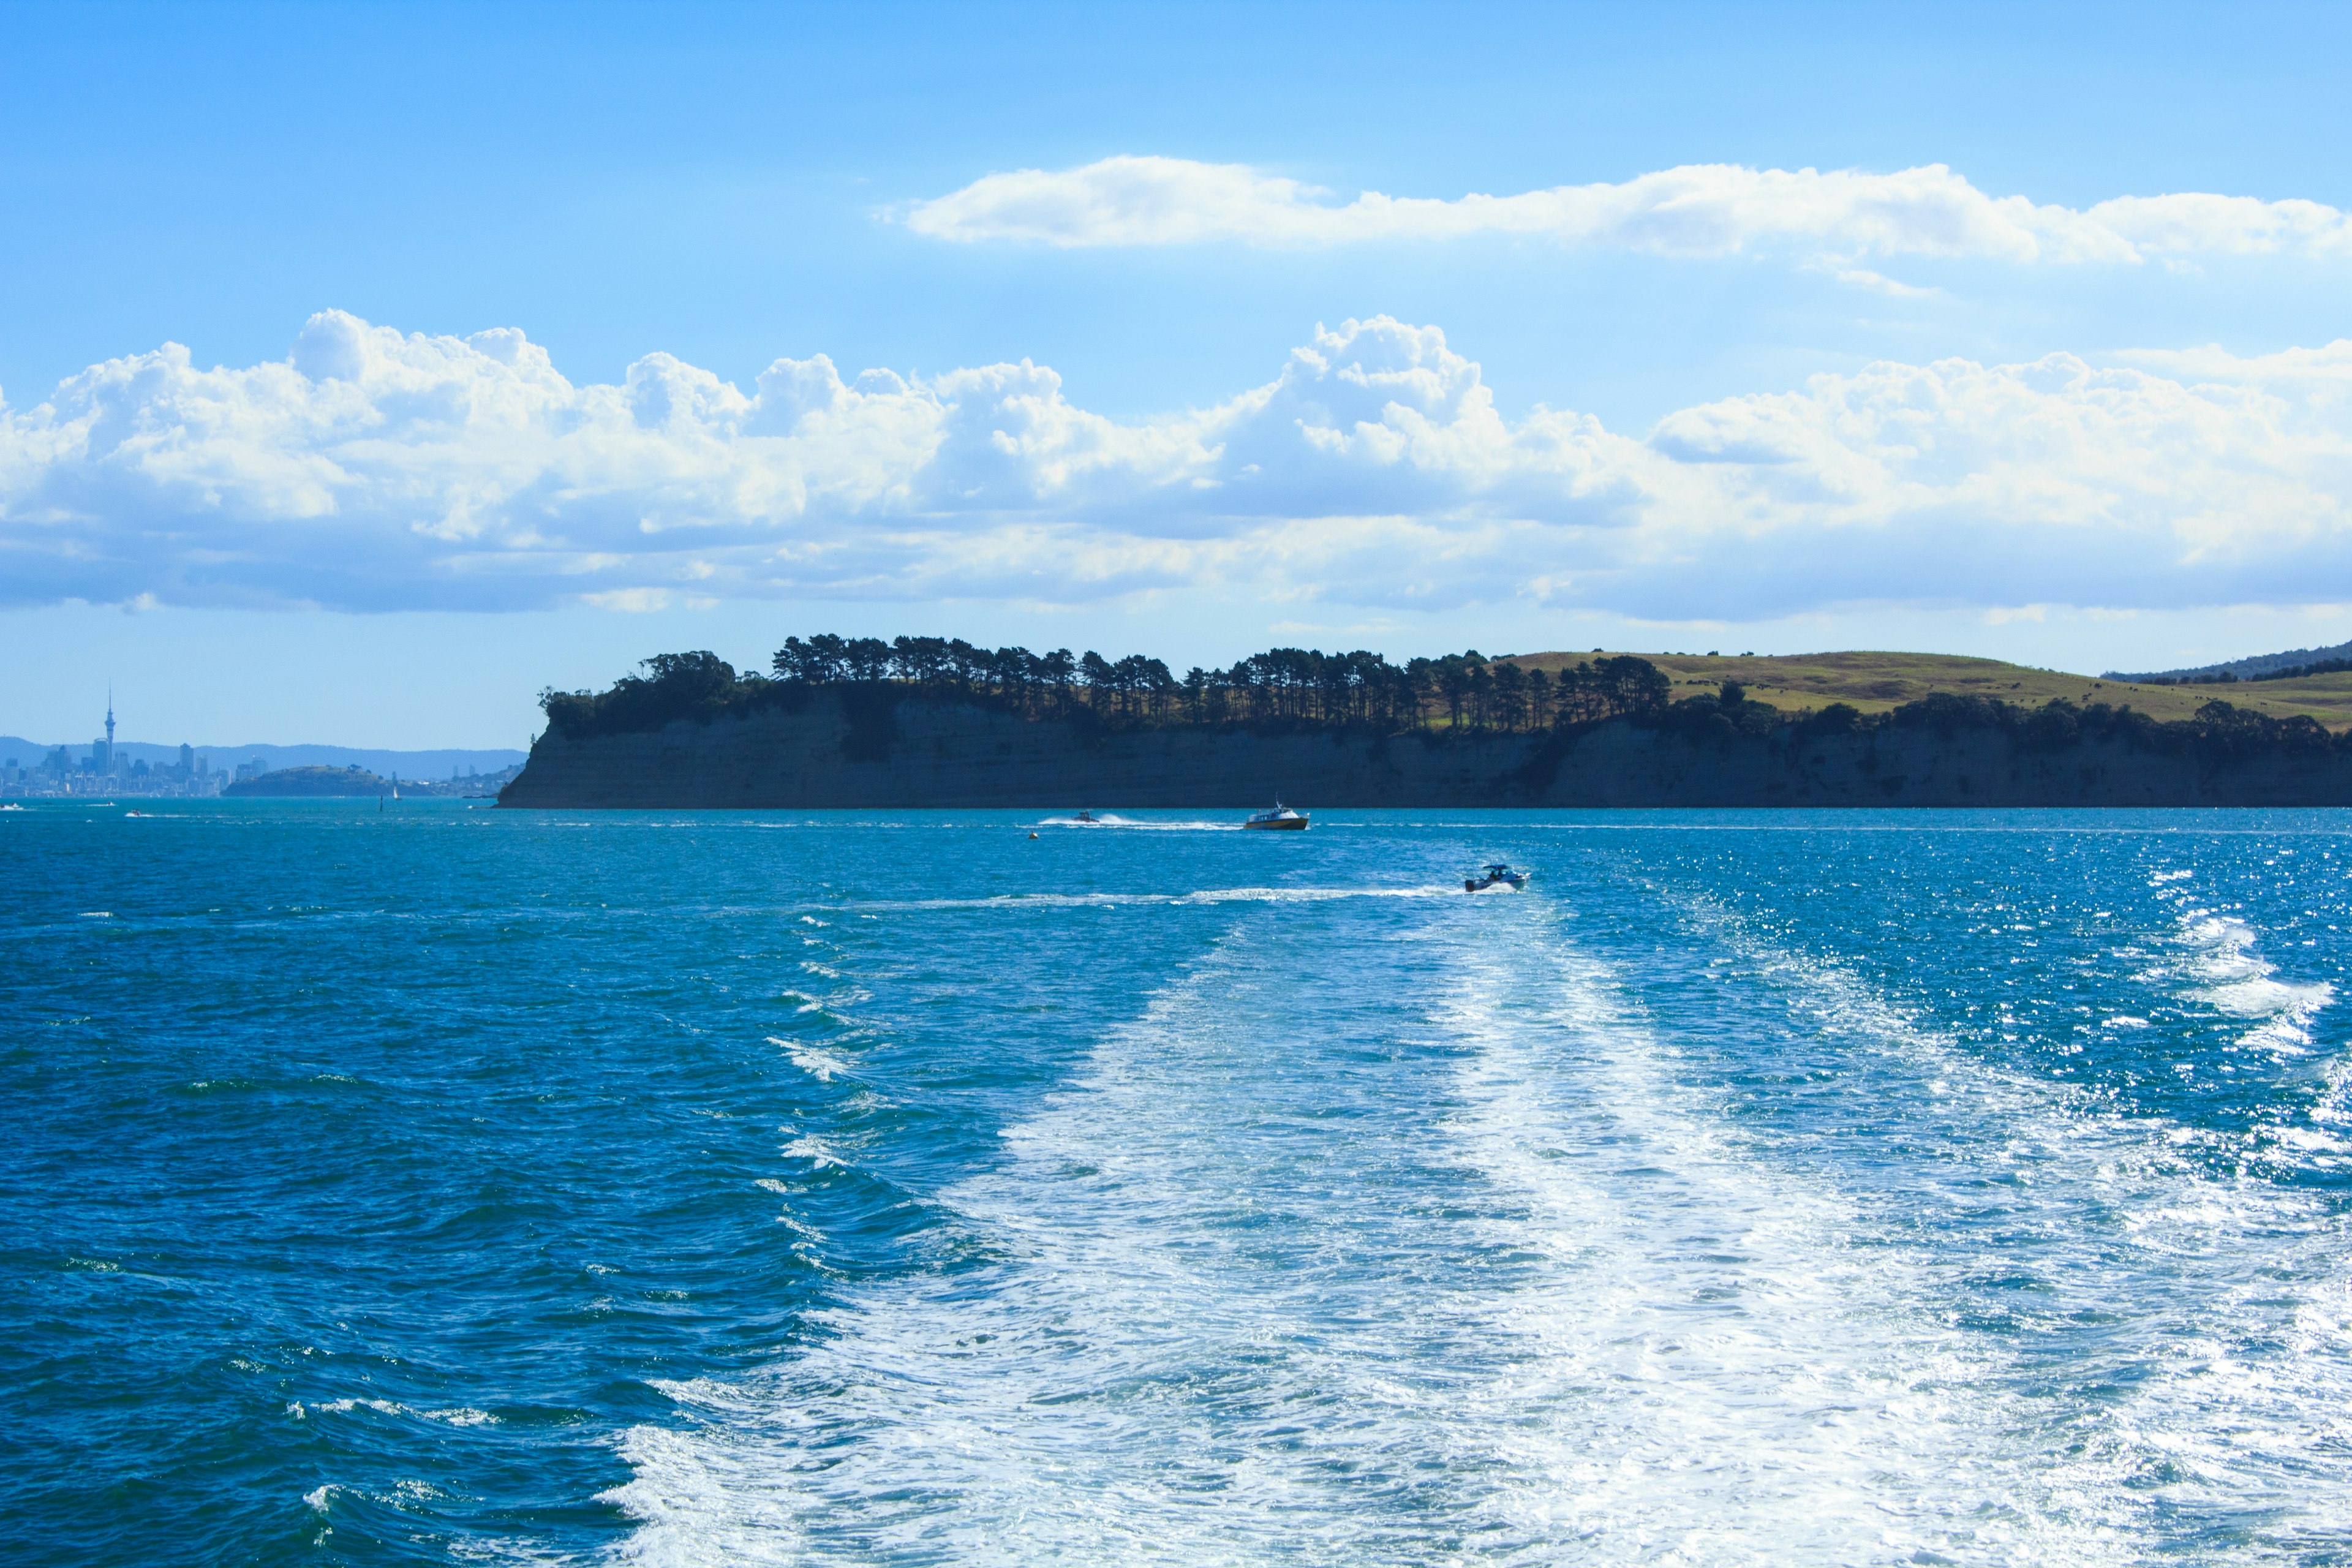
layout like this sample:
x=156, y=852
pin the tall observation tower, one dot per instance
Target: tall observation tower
x=107, y=761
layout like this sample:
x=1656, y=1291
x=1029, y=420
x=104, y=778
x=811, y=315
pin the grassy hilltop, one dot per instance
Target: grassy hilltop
x=1875, y=682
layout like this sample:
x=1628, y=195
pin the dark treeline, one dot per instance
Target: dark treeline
x=2296, y=671
x=1303, y=686
x=1460, y=693
x=1336, y=688
x=2218, y=732
x=2231, y=678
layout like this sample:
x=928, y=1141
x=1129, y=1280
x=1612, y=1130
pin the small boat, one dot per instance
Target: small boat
x=1280, y=817
x=1498, y=876
x=1085, y=816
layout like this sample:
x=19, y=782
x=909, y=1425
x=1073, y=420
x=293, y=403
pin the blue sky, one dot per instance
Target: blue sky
x=2053, y=430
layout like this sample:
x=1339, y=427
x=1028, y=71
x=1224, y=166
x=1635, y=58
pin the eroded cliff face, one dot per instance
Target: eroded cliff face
x=919, y=752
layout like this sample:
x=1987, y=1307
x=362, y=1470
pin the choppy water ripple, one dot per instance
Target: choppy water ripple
x=1755, y=1188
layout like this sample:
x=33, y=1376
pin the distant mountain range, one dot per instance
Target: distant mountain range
x=226, y=759
x=2243, y=668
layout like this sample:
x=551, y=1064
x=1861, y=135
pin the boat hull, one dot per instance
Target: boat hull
x=1286, y=825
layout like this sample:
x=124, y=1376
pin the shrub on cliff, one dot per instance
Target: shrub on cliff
x=2222, y=731
x=1947, y=711
x=674, y=686
x=2219, y=732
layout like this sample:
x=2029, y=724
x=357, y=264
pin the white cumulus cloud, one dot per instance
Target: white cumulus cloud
x=1696, y=210
x=371, y=470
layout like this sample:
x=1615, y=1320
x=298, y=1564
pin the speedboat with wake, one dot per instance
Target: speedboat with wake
x=1280, y=817
x=1498, y=876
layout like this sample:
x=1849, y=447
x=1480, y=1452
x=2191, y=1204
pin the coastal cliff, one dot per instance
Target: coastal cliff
x=844, y=746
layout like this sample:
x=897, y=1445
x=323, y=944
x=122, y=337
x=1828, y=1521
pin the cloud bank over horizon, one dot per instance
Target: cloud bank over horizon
x=1695, y=210
x=371, y=470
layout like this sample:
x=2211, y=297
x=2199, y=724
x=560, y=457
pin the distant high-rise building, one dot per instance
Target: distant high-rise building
x=103, y=752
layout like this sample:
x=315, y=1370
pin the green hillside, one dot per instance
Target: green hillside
x=1875, y=682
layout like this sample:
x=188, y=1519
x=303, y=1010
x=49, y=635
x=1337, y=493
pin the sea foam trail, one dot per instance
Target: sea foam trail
x=1483, y=1284
x=1190, y=1320
x=1014, y=902
x=1437, y=1239
x=1710, y=1364
x=2180, y=1329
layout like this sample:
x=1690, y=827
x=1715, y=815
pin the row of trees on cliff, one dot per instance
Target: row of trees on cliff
x=1358, y=687
x=1305, y=686
x=1460, y=693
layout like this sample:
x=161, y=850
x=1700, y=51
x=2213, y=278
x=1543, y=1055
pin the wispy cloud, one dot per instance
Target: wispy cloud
x=1695, y=210
x=1876, y=283
x=375, y=471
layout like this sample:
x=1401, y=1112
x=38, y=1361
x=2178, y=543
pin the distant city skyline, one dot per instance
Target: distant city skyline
x=104, y=768
x=33, y=767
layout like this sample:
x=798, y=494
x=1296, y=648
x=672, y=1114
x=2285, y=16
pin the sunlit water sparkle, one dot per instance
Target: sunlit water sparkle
x=450, y=1184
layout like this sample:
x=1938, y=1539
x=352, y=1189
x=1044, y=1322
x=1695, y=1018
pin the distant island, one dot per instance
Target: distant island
x=314, y=781
x=923, y=721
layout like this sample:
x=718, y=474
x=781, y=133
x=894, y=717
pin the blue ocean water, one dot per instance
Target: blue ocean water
x=450, y=1185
